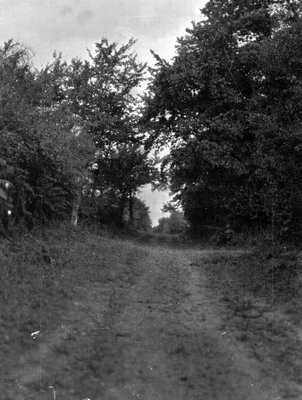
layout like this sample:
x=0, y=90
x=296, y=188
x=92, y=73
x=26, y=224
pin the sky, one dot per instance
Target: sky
x=73, y=26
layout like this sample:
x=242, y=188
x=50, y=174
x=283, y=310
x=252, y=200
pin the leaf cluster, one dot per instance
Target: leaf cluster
x=229, y=105
x=60, y=127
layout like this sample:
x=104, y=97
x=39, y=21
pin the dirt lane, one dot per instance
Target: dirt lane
x=173, y=345
x=153, y=331
x=226, y=368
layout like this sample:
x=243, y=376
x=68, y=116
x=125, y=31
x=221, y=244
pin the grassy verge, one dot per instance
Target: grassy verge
x=38, y=278
x=262, y=294
x=41, y=279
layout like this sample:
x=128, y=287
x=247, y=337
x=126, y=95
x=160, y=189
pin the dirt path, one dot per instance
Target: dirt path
x=153, y=331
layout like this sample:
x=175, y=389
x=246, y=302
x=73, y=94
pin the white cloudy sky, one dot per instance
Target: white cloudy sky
x=72, y=26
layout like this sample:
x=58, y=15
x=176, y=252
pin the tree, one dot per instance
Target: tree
x=42, y=143
x=61, y=128
x=140, y=220
x=174, y=224
x=100, y=92
x=17, y=147
x=122, y=173
x=230, y=106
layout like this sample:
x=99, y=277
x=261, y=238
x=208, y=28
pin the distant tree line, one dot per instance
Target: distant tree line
x=229, y=105
x=174, y=224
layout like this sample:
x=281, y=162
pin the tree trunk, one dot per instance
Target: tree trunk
x=123, y=203
x=131, y=214
x=75, y=207
x=94, y=192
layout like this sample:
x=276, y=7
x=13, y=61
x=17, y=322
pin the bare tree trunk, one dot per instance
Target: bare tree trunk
x=94, y=192
x=75, y=207
x=131, y=213
x=122, y=205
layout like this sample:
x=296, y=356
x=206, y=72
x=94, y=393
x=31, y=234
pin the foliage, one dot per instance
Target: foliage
x=60, y=129
x=174, y=224
x=230, y=105
x=105, y=209
x=122, y=173
x=100, y=91
x=141, y=220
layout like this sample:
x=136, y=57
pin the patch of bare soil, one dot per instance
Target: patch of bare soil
x=139, y=322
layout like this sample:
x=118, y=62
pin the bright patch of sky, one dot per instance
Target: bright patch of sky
x=73, y=26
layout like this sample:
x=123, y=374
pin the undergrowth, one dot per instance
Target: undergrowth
x=38, y=278
x=43, y=274
x=261, y=290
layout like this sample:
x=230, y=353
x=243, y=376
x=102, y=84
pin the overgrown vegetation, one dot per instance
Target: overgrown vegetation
x=69, y=132
x=262, y=291
x=43, y=276
x=229, y=106
x=77, y=141
x=174, y=224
